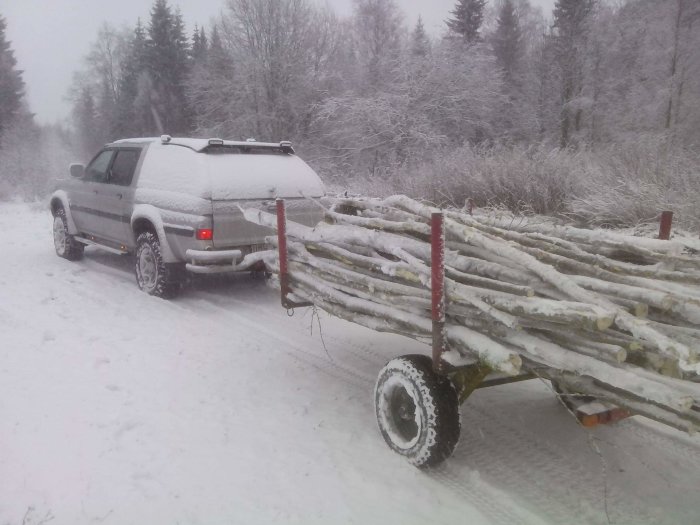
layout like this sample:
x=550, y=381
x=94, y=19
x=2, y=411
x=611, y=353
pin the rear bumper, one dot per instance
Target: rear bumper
x=215, y=261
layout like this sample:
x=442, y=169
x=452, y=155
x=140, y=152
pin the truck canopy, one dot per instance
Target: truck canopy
x=228, y=171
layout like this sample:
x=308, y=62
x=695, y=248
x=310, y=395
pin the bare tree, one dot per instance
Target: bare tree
x=278, y=54
x=379, y=33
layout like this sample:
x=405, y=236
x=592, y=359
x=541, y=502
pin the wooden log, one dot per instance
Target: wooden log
x=474, y=253
x=651, y=297
x=554, y=356
x=490, y=352
x=487, y=283
x=635, y=245
x=604, y=351
x=689, y=422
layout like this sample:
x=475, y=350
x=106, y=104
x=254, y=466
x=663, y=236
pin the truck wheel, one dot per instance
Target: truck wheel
x=153, y=275
x=417, y=410
x=65, y=244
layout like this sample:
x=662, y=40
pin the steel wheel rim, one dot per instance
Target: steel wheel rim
x=400, y=413
x=59, y=236
x=148, y=269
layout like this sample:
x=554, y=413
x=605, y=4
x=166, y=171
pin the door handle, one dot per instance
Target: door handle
x=119, y=196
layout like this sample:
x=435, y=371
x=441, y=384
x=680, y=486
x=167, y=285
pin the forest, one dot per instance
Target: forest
x=592, y=114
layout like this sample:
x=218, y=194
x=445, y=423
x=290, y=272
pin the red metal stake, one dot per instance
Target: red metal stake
x=665, y=225
x=285, y=289
x=437, y=282
x=282, y=247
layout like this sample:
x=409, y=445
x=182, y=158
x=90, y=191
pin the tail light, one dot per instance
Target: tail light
x=205, y=234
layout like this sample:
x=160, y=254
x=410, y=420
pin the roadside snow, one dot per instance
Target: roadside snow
x=215, y=408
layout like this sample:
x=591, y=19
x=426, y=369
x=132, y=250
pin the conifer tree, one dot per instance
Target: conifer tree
x=571, y=26
x=218, y=59
x=199, y=45
x=11, y=83
x=86, y=120
x=167, y=63
x=467, y=17
x=420, y=43
x=212, y=85
x=130, y=121
x=507, y=41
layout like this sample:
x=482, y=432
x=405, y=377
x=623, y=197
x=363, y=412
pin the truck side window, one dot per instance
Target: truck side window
x=124, y=166
x=97, y=170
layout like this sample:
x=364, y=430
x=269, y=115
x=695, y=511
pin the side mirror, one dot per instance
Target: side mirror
x=77, y=171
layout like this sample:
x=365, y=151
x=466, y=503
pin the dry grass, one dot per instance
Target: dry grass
x=617, y=186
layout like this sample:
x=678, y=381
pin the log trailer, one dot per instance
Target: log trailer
x=417, y=397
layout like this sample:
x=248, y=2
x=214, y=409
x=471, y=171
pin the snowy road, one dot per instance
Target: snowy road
x=216, y=408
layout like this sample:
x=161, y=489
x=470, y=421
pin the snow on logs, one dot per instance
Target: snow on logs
x=610, y=315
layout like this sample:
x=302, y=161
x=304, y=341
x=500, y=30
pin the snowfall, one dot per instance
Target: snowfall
x=220, y=407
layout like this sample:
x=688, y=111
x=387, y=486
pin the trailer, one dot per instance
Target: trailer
x=417, y=397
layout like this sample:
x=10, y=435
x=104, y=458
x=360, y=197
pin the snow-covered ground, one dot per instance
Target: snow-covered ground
x=217, y=407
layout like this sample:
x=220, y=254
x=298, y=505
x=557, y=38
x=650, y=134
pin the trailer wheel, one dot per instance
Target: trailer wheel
x=417, y=410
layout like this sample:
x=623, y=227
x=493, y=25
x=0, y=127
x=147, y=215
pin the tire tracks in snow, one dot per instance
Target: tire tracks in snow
x=362, y=352
x=544, y=474
x=487, y=499
x=666, y=442
x=294, y=349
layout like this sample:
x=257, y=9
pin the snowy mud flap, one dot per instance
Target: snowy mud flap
x=417, y=410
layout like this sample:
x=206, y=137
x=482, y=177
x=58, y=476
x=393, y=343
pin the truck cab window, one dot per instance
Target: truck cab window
x=123, y=167
x=97, y=170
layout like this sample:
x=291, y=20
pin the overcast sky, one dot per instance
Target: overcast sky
x=50, y=37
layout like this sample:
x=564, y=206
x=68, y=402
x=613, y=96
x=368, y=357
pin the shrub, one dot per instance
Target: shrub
x=614, y=186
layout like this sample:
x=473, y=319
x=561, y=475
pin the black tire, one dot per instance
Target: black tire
x=64, y=243
x=153, y=275
x=417, y=410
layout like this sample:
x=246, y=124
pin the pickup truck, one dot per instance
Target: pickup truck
x=174, y=204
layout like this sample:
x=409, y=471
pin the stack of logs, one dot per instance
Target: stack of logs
x=608, y=315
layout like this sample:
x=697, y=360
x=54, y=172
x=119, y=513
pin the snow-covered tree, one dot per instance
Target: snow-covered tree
x=379, y=30
x=507, y=42
x=130, y=119
x=467, y=18
x=167, y=63
x=420, y=42
x=200, y=45
x=11, y=83
x=571, y=29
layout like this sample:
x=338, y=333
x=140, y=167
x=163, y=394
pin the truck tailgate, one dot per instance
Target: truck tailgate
x=232, y=230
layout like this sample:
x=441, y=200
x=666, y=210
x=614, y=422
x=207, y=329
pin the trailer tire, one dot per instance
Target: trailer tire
x=417, y=410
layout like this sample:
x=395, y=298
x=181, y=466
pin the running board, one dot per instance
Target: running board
x=101, y=246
